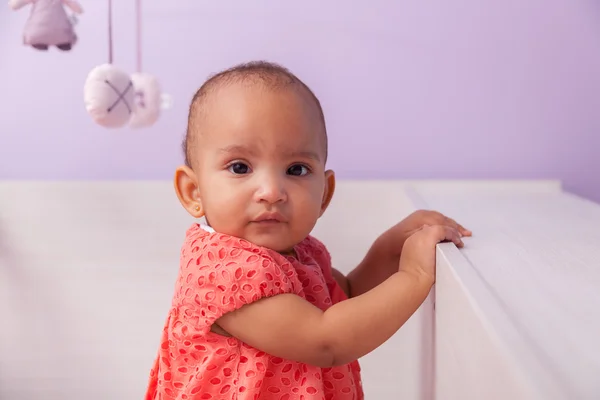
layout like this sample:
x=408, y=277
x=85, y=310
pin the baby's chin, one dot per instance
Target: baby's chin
x=279, y=244
x=277, y=238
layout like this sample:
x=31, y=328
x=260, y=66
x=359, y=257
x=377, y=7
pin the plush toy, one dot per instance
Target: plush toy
x=113, y=98
x=148, y=100
x=108, y=94
x=148, y=97
x=48, y=23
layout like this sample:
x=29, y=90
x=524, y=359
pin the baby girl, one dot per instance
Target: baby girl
x=258, y=310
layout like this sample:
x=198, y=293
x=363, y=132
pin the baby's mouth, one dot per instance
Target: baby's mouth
x=269, y=218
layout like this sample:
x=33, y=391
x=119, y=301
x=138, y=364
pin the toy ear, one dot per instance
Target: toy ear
x=148, y=100
x=109, y=96
x=166, y=101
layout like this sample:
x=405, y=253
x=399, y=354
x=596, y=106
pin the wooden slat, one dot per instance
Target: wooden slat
x=529, y=277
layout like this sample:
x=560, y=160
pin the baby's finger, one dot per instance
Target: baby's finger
x=410, y=233
x=464, y=231
x=442, y=233
x=456, y=237
x=461, y=229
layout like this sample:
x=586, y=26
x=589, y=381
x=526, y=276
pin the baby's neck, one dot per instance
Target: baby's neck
x=291, y=253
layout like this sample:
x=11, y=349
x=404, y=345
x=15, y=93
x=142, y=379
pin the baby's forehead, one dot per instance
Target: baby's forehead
x=277, y=115
x=265, y=140
x=239, y=93
x=239, y=114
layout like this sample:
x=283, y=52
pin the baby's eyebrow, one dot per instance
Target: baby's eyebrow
x=236, y=148
x=305, y=154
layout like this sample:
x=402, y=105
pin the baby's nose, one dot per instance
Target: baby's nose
x=271, y=191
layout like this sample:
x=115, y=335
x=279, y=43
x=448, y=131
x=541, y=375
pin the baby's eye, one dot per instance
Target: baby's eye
x=297, y=170
x=239, y=168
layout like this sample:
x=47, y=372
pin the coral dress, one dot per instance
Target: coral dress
x=219, y=274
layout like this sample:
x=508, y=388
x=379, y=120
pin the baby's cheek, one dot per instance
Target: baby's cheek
x=225, y=218
x=306, y=217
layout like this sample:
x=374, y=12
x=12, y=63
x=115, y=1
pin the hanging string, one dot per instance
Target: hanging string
x=138, y=16
x=110, y=33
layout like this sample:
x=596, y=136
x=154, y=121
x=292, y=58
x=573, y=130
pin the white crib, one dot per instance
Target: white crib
x=87, y=271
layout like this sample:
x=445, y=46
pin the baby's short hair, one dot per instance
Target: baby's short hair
x=271, y=75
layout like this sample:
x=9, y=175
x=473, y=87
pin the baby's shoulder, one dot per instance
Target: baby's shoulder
x=314, y=248
x=213, y=249
x=229, y=271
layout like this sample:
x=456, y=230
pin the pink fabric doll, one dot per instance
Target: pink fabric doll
x=48, y=23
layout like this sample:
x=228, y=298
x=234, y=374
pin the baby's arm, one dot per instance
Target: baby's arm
x=290, y=327
x=16, y=4
x=382, y=258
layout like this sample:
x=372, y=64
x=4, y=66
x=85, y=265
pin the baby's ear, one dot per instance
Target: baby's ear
x=186, y=187
x=329, y=189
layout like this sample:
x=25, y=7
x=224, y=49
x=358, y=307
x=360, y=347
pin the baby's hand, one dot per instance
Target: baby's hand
x=418, y=253
x=431, y=217
x=390, y=244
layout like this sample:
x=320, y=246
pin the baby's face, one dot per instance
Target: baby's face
x=261, y=165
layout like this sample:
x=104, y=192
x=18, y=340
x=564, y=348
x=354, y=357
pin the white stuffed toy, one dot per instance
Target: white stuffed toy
x=109, y=95
x=148, y=100
x=48, y=23
x=114, y=99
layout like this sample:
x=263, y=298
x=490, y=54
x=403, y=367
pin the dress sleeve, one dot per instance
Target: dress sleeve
x=226, y=273
x=322, y=256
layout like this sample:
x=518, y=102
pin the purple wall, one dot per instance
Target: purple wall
x=462, y=89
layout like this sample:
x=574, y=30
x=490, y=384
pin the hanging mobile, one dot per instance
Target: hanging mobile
x=48, y=23
x=108, y=91
x=149, y=99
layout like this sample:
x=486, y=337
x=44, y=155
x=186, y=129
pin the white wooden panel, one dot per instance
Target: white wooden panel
x=471, y=362
x=432, y=384
x=87, y=271
x=528, y=278
x=461, y=187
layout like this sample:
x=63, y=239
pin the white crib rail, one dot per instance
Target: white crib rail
x=518, y=309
